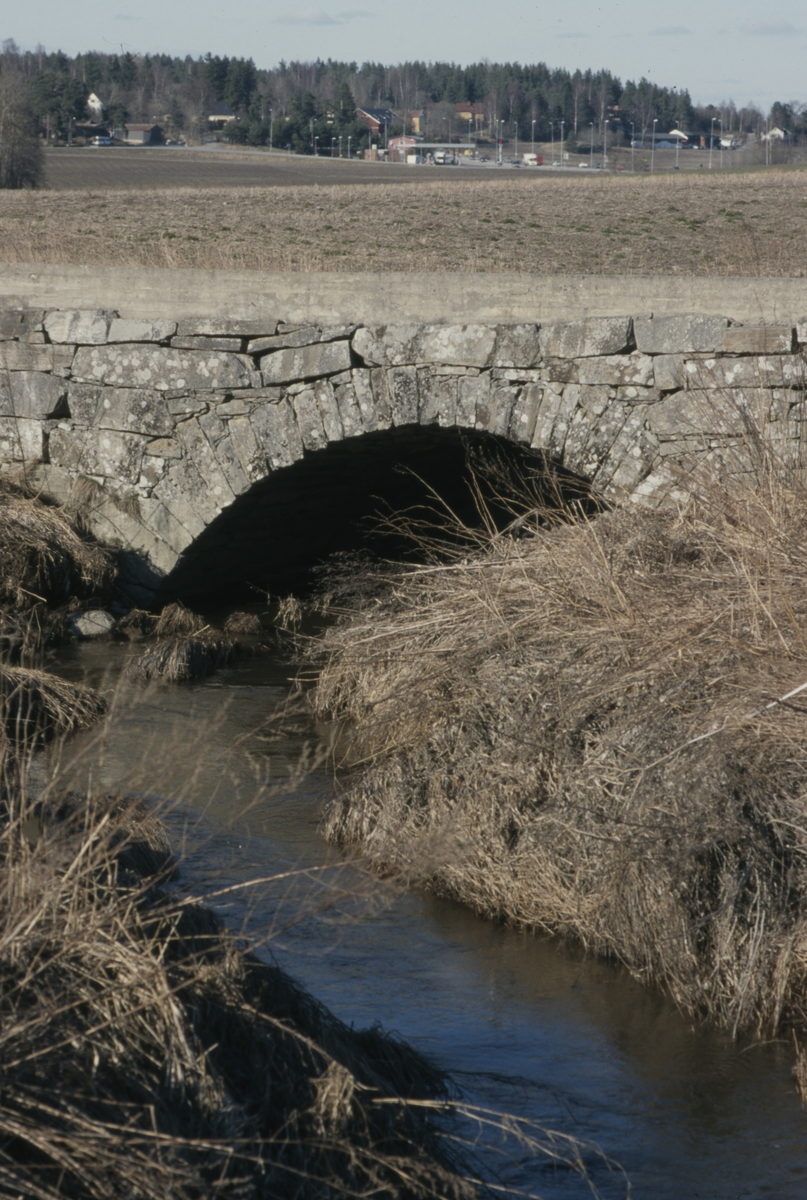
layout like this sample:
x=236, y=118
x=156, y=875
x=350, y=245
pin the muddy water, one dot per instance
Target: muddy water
x=524, y=1024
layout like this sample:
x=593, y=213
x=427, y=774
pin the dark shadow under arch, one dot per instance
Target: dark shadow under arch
x=273, y=537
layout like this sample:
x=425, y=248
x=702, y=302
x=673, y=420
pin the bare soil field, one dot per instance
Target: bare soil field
x=261, y=213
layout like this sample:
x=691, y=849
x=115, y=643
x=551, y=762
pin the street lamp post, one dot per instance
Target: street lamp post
x=711, y=139
x=605, y=145
x=653, y=145
x=720, y=123
x=591, y=123
x=516, y=141
x=533, y=138
x=632, y=145
x=340, y=145
x=271, y=126
x=552, y=140
x=316, y=139
x=333, y=143
x=561, y=142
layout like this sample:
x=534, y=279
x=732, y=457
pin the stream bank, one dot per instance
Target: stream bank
x=595, y=731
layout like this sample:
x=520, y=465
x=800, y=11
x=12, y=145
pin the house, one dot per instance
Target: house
x=89, y=131
x=219, y=115
x=472, y=112
x=144, y=135
x=776, y=135
x=377, y=119
x=416, y=119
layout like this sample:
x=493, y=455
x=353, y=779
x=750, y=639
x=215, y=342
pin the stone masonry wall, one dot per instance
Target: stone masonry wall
x=170, y=421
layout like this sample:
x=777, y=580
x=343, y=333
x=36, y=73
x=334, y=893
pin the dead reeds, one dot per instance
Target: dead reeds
x=36, y=704
x=182, y=658
x=598, y=731
x=44, y=557
x=143, y=1053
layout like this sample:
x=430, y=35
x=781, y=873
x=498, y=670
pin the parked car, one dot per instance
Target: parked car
x=101, y=141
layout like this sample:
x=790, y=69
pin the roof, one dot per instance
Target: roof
x=384, y=116
x=141, y=128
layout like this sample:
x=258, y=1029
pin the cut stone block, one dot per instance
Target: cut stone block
x=81, y=326
x=32, y=394
x=114, y=456
x=307, y=362
x=587, y=338
x=161, y=367
x=684, y=334
x=763, y=340
x=21, y=440
x=126, y=329
x=249, y=327
x=460, y=345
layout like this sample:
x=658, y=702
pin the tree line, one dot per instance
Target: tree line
x=308, y=106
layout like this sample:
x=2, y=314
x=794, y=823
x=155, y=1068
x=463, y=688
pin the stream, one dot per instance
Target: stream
x=523, y=1024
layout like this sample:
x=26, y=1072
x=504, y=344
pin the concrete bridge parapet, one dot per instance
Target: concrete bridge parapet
x=169, y=421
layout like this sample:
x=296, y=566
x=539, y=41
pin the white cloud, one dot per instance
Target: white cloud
x=318, y=16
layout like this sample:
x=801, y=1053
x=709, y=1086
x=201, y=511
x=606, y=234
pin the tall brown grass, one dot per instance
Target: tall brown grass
x=598, y=730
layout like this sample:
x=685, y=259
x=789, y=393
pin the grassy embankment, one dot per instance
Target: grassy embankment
x=598, y=731
x=705, y=223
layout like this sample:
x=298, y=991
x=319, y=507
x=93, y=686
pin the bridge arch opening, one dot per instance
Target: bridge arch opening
x=335, y=501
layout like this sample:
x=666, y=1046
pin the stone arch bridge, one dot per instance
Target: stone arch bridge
x=228, y=449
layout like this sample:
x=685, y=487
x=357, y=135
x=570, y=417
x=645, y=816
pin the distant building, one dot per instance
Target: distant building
x=776, y=135
x=219, y=115
x=144, y=135
x=472, y=112
x=89, y=130
x=377, y=119
x=401, y=147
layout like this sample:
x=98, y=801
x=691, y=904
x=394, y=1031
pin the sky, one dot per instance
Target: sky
x=720, y=51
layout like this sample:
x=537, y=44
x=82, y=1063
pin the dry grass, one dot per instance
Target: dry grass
x=244, y=624
x=701, y=223
x=44, y=557
x=144, y=1054
x=598, y=731
x=181, y=658
x=35, y=704
x=185, y=646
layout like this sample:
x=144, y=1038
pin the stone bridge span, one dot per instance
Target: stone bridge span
x=249, y=442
